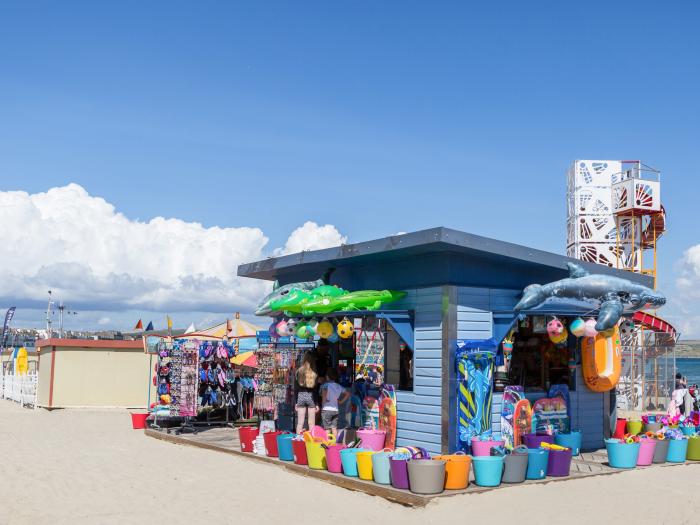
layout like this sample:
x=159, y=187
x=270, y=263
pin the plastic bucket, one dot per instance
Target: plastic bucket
x=483, y=448
x=559, y=463
x=371, y=439
x=646, y=452
x=571, y=440
x=299, y=449
x=677, y=450
x=622, y=455
x=426, y=476
x=333, y=458
x=247, y=436
x=271, y=443
x=315, y=455
x=284, y=447
x=651, y=427
x=537, y=459
x=534, y=440
x=693, y=449
x=457, y=468
x=634, y=427
x=620, y=428
x=661, y=451
x=380, y=468
x=687, y=431
x=488, y=470
x=138, y=420
x=364, y=465
x=348, y=458
x=515, y=468
x=399, y=473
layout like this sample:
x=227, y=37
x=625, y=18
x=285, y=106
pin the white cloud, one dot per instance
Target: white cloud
x=688, y=280
x=95, y=258
x=104, y=321
x=311, y=236
x=684, y=315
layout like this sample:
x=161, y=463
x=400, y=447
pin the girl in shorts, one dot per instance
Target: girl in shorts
x=306, y=405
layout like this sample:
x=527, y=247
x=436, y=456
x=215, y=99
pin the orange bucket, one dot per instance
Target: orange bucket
x=457, y=468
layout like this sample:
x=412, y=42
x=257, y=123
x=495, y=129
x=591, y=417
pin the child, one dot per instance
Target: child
x=332, y=395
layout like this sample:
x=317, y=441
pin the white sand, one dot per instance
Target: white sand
x=90, y=467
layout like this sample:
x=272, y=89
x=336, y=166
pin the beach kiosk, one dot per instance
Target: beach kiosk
x=461, y=291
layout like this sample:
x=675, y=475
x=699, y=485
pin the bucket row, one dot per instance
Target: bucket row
x=628, y=454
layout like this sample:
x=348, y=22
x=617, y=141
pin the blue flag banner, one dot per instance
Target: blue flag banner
x=6, y=328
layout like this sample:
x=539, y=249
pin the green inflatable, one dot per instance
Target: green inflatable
x=363, y=299
x=294, y=301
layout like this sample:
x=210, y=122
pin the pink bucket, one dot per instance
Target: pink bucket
x=372, y=439
x=483, y=448
x=333, y=458
x=646, y=451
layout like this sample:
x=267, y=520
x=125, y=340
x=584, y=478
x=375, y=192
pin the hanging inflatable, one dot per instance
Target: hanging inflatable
x=601, y=361
x=577, y=326
x=589, y=328
x=22, y=361
x=295, y=300
x=324, y=329
x=363, y=299
x=279, y=292
x=345, y=329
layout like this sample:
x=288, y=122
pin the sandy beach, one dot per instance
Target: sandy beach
x=71, y=466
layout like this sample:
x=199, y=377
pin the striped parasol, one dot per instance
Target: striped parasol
x=245, y=359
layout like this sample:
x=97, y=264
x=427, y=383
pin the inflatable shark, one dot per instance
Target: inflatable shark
x=279, y=292
x=612, y=295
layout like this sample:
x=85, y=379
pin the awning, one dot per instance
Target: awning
x=402, y=323
x=655, y=323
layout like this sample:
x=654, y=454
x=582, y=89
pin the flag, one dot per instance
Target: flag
x=150, y=328
x=170, y=325
x=6, y=327
x=139, y=325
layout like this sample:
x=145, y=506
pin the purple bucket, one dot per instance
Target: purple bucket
x=559, y=463
x=534, y=440
x=399, y=473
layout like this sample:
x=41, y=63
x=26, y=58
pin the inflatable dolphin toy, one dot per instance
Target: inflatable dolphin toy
x=614, y=295
x=293, y=302
x=278, y=292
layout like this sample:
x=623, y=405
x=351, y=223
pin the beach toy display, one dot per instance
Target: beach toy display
x=535, y=440
x=559, y=461
x=381, y=470
x=571, y=440
x=481, y=446
x=333, y=461
x=372, y=439
x=647, y=446
x=426, y=476
x=364, y=465
x=457, y=468
x=622, y=454
x=348, y=458
x=284, y=447
x=515, y=465
x=299, y=449
x=693, y=452
x=246, y=437
x=537, y=459
x=488, y=470
x=270, y=440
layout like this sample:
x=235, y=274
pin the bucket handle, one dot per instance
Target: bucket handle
x=422, y=452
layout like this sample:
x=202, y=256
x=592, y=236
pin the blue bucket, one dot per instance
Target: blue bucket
x=688, y=431
x=677, y=450
x=348, y=457
x=488, y=470
x=284, y=447
x=622, y=455
x=571, y=440
x=537, y=463
x=380, y=468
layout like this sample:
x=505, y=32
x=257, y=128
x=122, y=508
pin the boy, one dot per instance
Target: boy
x=332, y=395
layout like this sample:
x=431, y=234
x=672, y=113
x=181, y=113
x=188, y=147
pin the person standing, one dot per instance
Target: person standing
x=306, y=405
x=332, y=395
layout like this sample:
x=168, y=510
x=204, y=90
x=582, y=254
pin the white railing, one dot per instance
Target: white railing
x=21, y=389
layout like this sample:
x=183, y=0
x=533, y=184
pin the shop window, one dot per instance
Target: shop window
x=399, y=361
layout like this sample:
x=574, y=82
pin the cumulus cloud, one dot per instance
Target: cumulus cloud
x=684, y=310
x=88, y=253
x=688, y=280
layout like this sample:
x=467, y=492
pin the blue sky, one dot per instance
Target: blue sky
x=375, y=117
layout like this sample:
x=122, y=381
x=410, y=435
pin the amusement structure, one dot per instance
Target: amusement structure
x=615, y=218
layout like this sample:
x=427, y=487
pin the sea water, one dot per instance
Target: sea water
x=690, y=368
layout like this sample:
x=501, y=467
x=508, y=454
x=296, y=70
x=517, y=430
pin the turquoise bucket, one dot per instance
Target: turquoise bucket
x=284, y=447
x=571, y=440
x=381, y=468
x=677, y=450
x=537, y=459
x=488, y=470
x=622, y=455
x=348, y=457
x=688, y=431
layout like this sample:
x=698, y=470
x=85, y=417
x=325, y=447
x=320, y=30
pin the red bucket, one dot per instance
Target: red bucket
x=247, y=436
x=620, y=428
x=271, y=443
x=138, y=421
x=299, y=449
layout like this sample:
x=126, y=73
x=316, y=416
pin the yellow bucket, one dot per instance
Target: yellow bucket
x=315, y=455
x=364, y=465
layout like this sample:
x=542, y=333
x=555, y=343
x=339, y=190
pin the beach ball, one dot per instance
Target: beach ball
x=626, y=328
x=281, y=328
x=324, y=329
x=589, y=328
x=291, y=326
x=345, y=329
x=577, y=327
x=555, y=328
x=305, y=331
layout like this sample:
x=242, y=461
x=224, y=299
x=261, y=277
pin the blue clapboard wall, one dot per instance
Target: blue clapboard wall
x=419, y=421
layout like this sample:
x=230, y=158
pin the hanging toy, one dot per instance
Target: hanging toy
x=324, y=329
x=291, y=326
x=305, y=331
x=555, y=328
x=626, y=328
x=273, y=329
x=577, y=327
x=333, y=338
x=345, y=328
x=281, y=328
x=589, y=329
x=572, y=364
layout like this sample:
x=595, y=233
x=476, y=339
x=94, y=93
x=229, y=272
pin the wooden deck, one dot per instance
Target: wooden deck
x=226, y=440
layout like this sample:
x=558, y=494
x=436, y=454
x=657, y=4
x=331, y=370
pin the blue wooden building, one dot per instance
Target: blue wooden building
x=460, y=286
